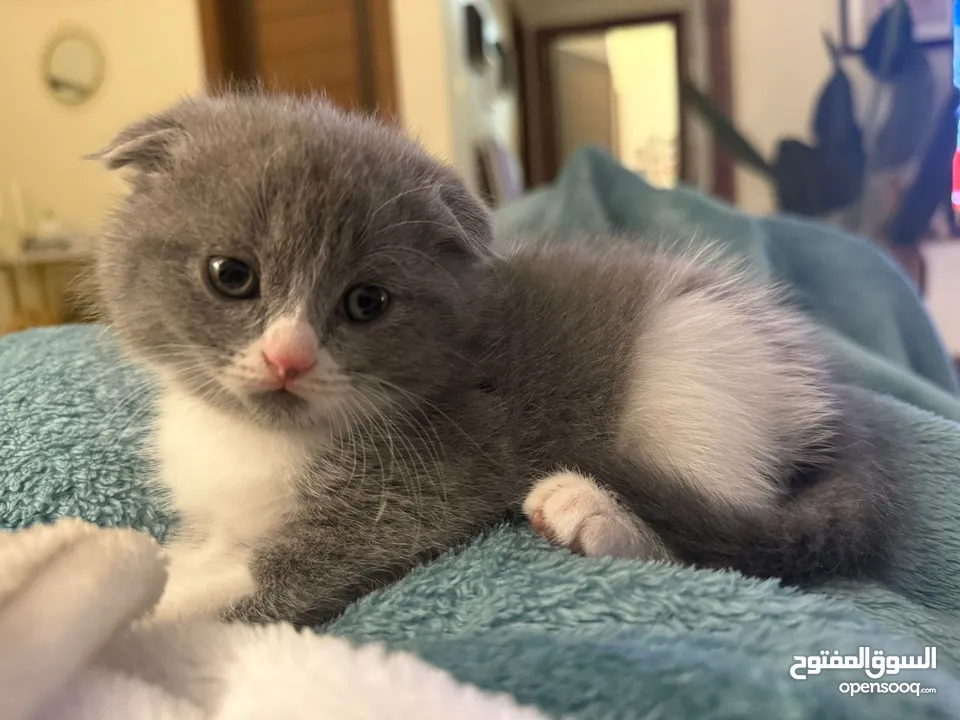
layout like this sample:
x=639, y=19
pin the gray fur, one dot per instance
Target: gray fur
x=489, y=370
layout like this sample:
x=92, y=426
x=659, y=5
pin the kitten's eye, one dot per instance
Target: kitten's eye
x=233, y=278
x=365, y=303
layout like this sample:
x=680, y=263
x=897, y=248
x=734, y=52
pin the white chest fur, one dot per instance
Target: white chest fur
x=231, y=481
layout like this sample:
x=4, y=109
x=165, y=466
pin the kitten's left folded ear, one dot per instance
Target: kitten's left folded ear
x=145, y=146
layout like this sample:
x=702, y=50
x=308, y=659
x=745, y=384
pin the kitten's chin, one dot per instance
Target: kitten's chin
x=285, y=410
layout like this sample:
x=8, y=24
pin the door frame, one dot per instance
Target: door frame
x=535, y=72
x=228, y=37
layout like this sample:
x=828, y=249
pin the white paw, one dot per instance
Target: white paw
x=571, y=510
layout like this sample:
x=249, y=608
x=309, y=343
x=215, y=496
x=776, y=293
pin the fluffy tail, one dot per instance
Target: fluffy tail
x=839, y=518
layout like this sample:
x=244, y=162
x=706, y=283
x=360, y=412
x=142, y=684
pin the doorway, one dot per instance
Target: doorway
x=652, y=134
x=602, y=97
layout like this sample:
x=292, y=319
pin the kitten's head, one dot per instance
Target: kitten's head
x=282, y=259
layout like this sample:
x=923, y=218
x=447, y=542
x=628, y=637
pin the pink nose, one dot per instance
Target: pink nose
x=290, y=350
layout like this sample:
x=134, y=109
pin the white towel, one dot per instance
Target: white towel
x=77, y=643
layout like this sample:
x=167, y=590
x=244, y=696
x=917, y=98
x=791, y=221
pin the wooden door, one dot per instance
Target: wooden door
x=340, y=47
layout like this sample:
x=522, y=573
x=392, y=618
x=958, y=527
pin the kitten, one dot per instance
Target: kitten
x=353, y=379
x=298, y=281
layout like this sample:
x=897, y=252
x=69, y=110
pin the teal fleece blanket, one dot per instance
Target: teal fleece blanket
x=580, y=637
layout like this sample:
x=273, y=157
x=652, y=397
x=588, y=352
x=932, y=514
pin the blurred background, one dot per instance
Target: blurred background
x=839, y=110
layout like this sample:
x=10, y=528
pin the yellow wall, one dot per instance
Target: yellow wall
x=643, y=63
x=583, y=95
x=153, y=56
x=443, y=102
x=422, y=74
x=779, y=63
x=779, y=66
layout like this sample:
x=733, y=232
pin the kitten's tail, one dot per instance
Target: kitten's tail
x=843, y=524
x=839, y=520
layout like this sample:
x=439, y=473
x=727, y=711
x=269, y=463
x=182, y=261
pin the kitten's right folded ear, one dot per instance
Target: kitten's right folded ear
x=469, y=214
x=146, y=146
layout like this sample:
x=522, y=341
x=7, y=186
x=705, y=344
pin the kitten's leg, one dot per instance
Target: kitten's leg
x=571, y=510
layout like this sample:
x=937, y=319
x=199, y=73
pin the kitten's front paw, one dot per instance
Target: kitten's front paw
x=571, y=510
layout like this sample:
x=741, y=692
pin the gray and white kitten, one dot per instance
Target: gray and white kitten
x=353, y=379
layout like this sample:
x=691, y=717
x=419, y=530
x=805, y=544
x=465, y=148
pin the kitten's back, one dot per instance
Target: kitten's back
x=703, y=370
x=699, y=395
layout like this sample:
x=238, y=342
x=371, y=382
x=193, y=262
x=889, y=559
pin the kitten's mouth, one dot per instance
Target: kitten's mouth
x=280, y=389
x=281, y=394
x=281, y=405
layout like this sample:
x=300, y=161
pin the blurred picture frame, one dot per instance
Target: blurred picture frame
x=505, y=67
x=932, y=21
x=475, y=40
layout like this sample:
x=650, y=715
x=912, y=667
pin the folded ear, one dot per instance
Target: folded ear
x=145, y=146
x=470, y=214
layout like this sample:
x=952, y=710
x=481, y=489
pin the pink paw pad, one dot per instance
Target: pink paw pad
x=572, y=511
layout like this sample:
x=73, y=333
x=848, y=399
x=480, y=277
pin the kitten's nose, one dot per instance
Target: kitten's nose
x=290, y=349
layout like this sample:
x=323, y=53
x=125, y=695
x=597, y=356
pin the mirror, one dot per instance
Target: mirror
x=73, y=67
